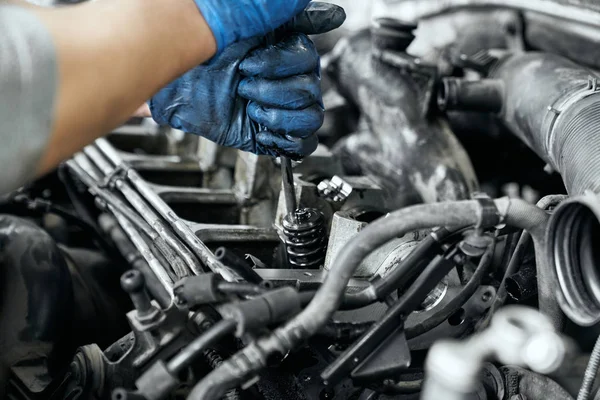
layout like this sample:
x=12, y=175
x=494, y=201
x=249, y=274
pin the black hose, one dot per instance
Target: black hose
x=214, y=361
x=591, y=371
x=517, y=256
x=403, y=387
x=450, y=308
x=67, y=180
x=401, y=276
x=189, y=353
x=240, y=288
x=45, y=206
x=238, y=264
x=132, y=256
x=253, y=358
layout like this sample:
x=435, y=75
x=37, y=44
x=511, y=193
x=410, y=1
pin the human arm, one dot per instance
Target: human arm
x=111, y=57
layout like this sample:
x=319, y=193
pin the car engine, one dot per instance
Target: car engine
x=442, y=243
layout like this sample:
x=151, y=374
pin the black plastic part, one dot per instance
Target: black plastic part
x=389, y=359
x=122, y=394
x=414, y=263
x=256, y=314
x=197, y=290
x=238, y=264
x=522, y=286
x=381, y=331
x=480, y=96
x=133, y=283
x=157, y=382
x=392, y=34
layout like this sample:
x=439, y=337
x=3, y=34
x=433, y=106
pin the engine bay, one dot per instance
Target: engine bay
x=443, y=242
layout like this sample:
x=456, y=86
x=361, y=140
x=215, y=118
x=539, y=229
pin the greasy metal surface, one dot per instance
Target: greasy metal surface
x=345, y=226
x=581, y=11
x=413, y=157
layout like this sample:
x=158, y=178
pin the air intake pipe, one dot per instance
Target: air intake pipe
x=553, y=105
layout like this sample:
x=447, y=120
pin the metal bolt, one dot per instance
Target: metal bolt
x=133, y=283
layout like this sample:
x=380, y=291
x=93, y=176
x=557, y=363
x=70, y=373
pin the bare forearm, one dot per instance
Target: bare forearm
x=112, y=56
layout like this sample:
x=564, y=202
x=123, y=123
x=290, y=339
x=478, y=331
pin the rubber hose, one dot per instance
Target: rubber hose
x=214, y=361
x=591, y=371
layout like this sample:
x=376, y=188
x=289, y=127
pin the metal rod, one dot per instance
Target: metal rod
x=287, y=177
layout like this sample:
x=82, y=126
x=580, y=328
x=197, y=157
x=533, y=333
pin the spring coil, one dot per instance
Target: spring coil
x=214, y=360
x=305, y=238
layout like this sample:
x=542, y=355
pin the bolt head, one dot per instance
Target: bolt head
x=132, y=281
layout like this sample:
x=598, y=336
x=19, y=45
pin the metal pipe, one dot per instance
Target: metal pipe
x=183, y=253
x=180, y=227
x=80, y=167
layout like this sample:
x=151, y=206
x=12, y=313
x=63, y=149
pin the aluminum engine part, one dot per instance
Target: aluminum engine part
x=413, y=157
x=346, y=224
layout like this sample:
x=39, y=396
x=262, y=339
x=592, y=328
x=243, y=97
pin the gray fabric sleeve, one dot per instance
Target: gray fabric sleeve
x=28, y=79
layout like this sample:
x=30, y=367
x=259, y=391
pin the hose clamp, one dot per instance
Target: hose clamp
x=118, y=174
x=554, y=112
x=488, y=214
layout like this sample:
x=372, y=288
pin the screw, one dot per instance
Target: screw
x=486, y=296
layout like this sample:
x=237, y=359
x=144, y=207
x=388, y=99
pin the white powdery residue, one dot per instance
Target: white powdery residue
x=429, y=189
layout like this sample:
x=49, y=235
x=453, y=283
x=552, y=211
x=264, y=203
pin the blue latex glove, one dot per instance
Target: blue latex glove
x=235, y=20
x=264, y=99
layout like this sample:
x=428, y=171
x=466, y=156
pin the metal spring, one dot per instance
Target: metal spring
x=305, y=238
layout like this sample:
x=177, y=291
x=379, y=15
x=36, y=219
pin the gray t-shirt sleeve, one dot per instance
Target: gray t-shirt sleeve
x=28, y=79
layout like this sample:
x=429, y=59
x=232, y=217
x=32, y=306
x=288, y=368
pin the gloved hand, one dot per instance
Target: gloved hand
x=235, y=20
x=252, y=85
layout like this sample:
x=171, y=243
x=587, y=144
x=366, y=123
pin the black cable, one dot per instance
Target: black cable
x=400, y=277
x=214, y=360
x=189, y=353
x=70, y=187
x=240, y=288
x=46, y=206
x=403, y=387
x=465, y=294
x=517, y=256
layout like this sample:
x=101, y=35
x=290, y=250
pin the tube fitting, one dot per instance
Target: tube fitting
x=518, y=335
x=481, y=96
x=573, y=235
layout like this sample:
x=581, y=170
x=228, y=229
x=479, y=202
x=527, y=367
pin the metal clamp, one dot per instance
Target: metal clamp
x=488, y=214
x=117, y=174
